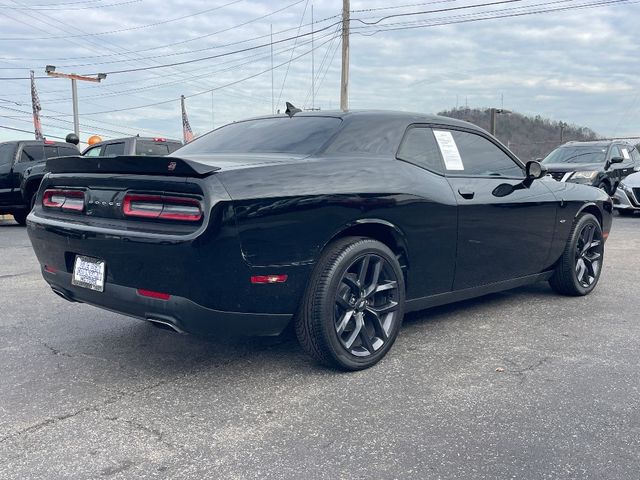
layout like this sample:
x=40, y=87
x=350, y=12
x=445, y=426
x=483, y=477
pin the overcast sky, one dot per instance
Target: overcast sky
x=580, y=66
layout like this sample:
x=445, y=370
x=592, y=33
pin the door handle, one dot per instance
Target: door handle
x=466, y=194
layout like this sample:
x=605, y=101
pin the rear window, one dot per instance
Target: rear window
x=148, y=147
x=32, y=153
x=298, y=135
x=113, y=149
x=68, y=151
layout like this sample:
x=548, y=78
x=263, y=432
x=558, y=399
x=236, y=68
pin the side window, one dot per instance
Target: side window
x=69, y=151
x=93, y=152
x=50, y=152
x=113, y=149
x=626, y=155
x=478, y=155
x=420, y=148
x=7, y=151
x=32, y=153
x=614, y=152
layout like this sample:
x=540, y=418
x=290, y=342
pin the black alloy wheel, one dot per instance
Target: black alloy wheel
x=588, y=255
x=354, y=304
x=366, y=305
x=579, y=268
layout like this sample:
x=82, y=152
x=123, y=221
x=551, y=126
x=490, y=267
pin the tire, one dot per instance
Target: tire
x=20, y=217
x=345, y=322
x=580, y=265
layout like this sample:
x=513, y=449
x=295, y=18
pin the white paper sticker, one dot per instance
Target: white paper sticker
x=625, y=153
x=449, y=150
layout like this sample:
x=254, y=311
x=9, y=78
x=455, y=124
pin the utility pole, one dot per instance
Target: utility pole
x=344, y=83
x=313, y=65
x=492, y=120
x=272, y=101
x=562, y=126
x=51, y=71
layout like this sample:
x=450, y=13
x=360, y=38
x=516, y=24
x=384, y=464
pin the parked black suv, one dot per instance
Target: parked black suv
x=133, y=146
x=602, y=164
x=22, y=165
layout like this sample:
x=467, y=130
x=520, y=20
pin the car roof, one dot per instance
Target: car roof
x=596, y=143
x=410, y=117
x=135, y=137
x=38, y=142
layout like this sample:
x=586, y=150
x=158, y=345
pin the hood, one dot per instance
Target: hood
x=573, y=167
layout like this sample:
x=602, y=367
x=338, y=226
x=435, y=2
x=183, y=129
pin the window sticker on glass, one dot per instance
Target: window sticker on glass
x=625, y=153
x=449, y=150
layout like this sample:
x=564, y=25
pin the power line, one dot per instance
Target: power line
x=27, y=131
x=92, y=7
x=286, y=73
x=139, y=27
x=163, y=102
x=492, y=17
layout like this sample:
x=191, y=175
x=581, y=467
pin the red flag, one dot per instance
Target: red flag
x=35, y=103
x=187, y=133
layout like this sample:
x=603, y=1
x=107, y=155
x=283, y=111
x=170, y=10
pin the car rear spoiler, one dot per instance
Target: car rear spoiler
x=140, y=165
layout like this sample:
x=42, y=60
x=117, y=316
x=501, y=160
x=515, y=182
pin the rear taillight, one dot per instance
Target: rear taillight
x=64, y=199
x=162, y=207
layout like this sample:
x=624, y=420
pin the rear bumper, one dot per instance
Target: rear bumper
x=177, y=312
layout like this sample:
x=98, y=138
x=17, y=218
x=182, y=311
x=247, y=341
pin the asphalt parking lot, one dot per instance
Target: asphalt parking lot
x=86, y=393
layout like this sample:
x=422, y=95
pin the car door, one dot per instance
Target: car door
x=627, y=167
x=29, y=155
x=7, y=158
x=505, y=224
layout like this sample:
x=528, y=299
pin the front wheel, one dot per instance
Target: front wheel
x=578, y=270
x=354, y=304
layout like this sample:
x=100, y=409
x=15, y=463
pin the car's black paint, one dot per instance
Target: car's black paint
x=20, y=177
x=276, y=213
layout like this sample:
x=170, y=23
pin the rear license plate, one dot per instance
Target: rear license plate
x=88, y=273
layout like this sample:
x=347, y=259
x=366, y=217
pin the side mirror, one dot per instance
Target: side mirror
x=535, y=170
x=616, y=160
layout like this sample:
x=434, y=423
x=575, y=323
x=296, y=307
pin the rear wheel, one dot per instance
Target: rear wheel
x=353, y=307
x=578, y=270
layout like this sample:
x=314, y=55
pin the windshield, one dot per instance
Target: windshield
x=577, y=154
x=297, y=135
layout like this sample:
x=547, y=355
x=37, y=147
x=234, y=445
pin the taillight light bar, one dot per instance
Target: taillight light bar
x=162, y=207
x=63, y=199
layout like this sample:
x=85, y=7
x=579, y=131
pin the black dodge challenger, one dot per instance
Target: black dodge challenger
x=338, y=222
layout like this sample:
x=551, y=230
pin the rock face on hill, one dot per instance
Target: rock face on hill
x=526, y=136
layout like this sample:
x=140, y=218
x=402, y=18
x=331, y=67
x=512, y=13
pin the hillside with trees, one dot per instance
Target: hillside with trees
x=528, y=137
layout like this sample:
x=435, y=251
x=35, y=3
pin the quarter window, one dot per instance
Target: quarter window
x=420, y=148
x=32, y=153
x=482, y=157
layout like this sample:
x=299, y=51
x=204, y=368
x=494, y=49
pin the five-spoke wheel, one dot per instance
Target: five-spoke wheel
x=354, y=304
x=580, y=265
x=366, y=305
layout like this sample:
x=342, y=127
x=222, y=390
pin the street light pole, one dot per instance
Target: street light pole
x=51, y=71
